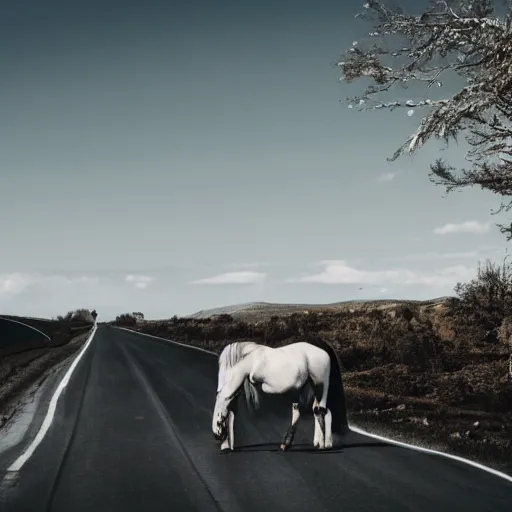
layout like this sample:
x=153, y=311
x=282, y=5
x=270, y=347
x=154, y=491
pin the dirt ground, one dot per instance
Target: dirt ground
x=477, y=435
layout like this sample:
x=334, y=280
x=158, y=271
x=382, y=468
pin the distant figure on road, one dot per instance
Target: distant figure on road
x=94, y=315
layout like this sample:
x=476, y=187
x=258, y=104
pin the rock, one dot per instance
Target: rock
x=455, y=435
x=476, y=424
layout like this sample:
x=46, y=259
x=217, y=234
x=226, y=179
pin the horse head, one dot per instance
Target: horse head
x=220, y=419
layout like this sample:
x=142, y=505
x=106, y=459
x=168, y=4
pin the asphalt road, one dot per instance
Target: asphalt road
x=131, y=432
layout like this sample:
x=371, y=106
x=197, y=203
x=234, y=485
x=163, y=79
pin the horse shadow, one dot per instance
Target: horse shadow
x=305, y=448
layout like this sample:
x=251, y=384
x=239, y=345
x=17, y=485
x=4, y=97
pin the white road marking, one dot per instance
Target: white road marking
x=169, y=341
x=433, y=452
x=20, y=461
x=357, y=430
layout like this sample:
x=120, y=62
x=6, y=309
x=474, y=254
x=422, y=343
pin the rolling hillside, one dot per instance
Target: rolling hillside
x=255, y=311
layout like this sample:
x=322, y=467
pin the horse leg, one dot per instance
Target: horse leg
x=319, y=413
x=316, y=437
x=323, y=437
x=231, y=429
x=328, y=430
x=290, y=433
x=229, y=442
x=224, y=447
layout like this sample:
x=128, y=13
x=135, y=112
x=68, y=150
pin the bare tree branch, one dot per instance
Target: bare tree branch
x=451, y=38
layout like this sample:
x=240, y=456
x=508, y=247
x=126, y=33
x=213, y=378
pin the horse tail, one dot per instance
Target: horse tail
x=252, y=395
x=336, y=396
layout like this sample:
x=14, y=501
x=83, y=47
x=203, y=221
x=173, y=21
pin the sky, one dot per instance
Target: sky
x=167, y=157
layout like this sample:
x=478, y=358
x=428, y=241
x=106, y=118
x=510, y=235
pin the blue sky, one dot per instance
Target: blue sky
x=169, y=157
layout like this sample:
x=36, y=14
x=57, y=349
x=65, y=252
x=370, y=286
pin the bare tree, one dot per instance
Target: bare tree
x=487, y=299
x=451, y=39
x=78, y=315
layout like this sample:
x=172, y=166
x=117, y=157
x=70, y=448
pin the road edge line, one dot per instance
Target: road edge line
x=22, y=459
x=488, y=469
x=170, y=341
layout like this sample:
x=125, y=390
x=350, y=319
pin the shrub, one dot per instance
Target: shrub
x=79, y=315
x=485, y=301
x=505, y=331
x=505, y=336
x=126, y=319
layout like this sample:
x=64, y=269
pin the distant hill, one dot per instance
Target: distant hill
x=263, y=310
x=227, y=310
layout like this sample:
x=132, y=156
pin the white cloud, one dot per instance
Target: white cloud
x=470, y=226
x=251, y=264
x=339, y=272
x=234, y=278
x=388, y=176
x=140, y=282
x=444, y=277
x=429, y=256
x=13, y=283
x=16, y=283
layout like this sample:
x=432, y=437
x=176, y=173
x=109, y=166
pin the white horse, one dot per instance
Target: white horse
x=310, y=370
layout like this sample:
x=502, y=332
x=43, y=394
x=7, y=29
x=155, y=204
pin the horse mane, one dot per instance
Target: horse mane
x=233, y=353
x=230, y=356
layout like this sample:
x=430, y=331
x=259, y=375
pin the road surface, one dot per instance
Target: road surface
x=131, y=432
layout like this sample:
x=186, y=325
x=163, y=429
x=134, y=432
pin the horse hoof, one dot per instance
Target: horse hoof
x=284, y=447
